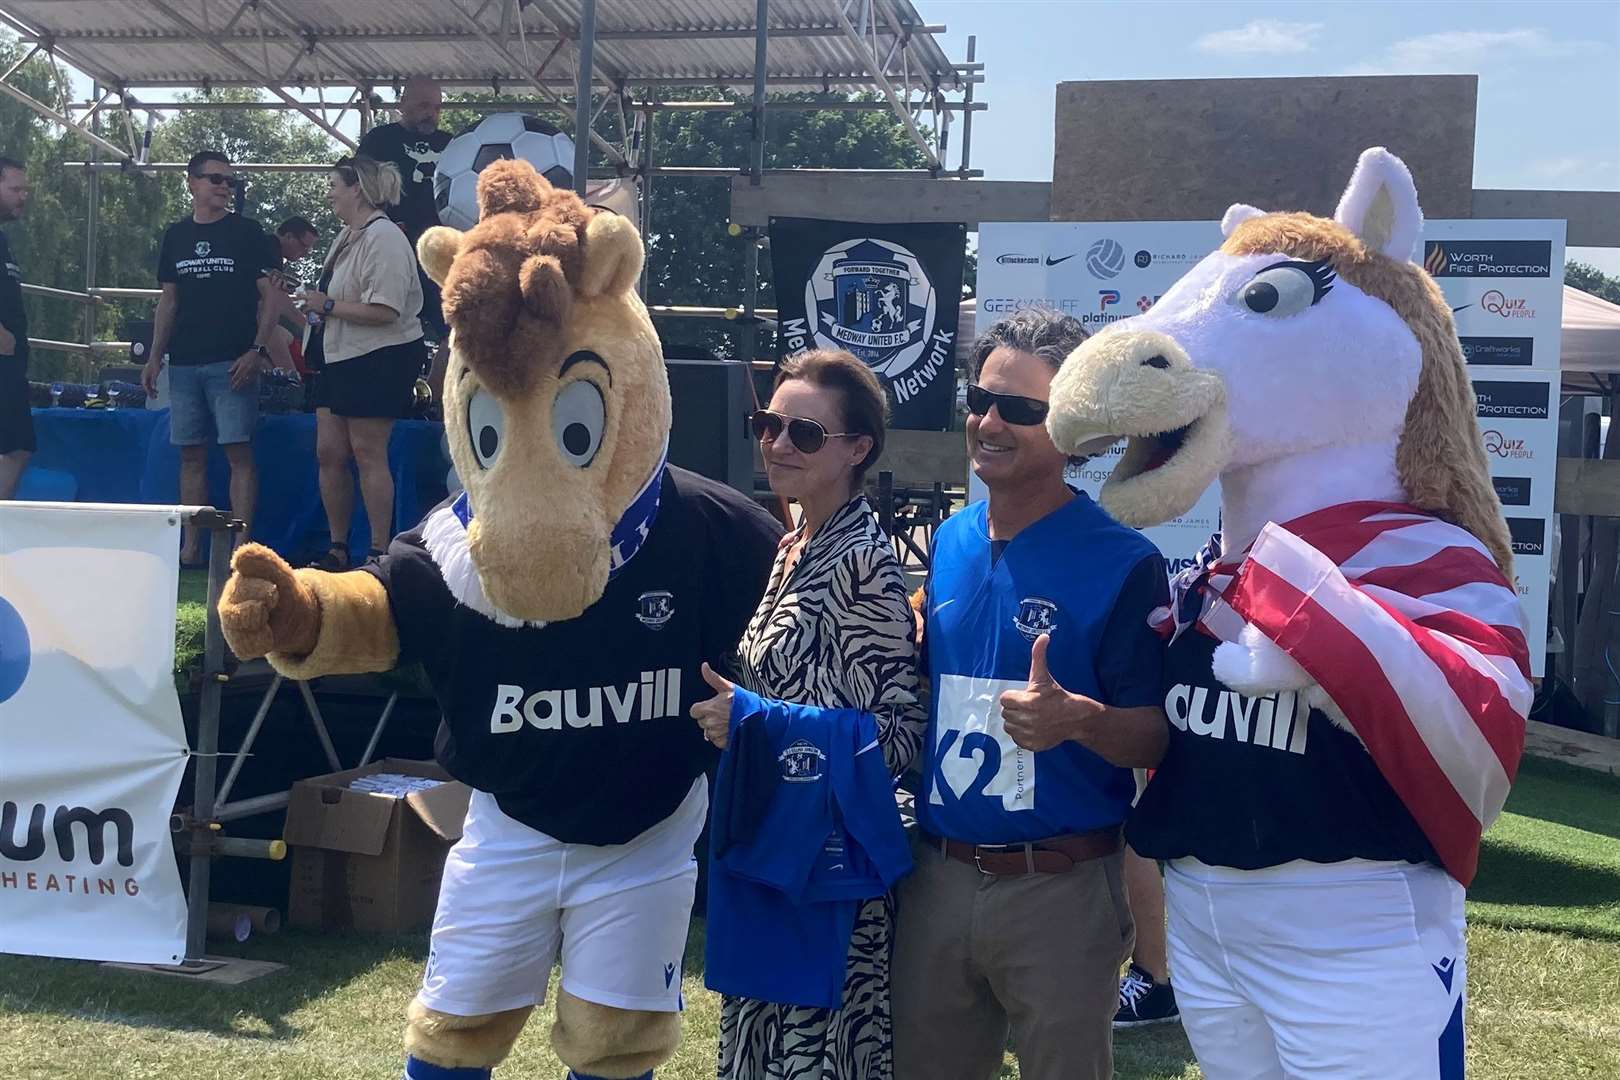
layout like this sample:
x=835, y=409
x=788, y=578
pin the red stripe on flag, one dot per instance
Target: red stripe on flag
x=1343, y=665
x=1491, y=713
x=1505, y=641
x=1448, y=568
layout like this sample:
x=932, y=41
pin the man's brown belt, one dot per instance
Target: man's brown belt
x=1057, y=855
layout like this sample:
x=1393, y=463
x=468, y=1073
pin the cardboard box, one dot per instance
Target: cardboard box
x=368, y=861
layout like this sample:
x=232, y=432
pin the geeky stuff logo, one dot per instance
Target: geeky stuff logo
x=1488, y=258
x=1508, y=449
x=15, y=651
x=1508, y=307
x=1105, y=259
x=1107, y=298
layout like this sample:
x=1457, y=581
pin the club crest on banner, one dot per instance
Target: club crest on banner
x=874, y=299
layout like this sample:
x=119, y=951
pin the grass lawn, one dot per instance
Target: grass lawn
x=1544, y=982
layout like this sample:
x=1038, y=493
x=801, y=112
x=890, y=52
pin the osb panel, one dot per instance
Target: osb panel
x=1186, y=149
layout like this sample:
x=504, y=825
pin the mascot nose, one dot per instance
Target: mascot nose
x=1109, y=384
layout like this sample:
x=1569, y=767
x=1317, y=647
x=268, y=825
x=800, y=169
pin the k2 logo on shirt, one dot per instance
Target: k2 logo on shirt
x=1036, y=616
x=1277, y=721
x=973, y=754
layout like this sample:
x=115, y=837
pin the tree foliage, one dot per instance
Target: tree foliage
x=1590, y=279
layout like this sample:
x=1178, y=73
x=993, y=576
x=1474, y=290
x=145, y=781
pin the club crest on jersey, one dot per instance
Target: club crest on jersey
x=655, y=608
x=1036, y=616
x=802, y=762
x=202, y=249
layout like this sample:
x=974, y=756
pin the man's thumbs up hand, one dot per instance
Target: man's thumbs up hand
x=1044, y=715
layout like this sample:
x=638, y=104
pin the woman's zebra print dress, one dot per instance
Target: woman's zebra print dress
x=837, y=632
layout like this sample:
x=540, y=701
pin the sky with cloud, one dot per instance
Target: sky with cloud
x=1549, y=72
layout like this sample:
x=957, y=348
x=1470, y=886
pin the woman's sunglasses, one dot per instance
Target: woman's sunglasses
x=807, y=435
x=1019, y=411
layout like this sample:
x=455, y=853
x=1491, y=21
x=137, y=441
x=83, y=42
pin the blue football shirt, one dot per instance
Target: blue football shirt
x=804, y=828
x=1088, y=582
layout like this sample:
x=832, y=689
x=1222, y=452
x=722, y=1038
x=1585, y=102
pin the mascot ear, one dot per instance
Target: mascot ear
x=1381, y=206
x=1237, y=214
x=613, y=255
x=436, y=249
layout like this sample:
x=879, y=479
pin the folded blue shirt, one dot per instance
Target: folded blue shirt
x=804, y=827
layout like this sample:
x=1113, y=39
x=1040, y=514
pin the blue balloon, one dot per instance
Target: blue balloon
x=14, y=651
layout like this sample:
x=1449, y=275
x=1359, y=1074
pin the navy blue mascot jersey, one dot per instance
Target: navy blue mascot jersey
x=580, y=729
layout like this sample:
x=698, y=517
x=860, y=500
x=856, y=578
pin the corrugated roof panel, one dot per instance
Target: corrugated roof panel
x=155, y=42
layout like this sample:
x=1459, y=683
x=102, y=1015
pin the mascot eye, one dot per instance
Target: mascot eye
x=486, y=426
x=1286, y=288
x=578, y=417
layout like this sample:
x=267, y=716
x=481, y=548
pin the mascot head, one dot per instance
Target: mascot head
x=1301, y=338
x=556, y=402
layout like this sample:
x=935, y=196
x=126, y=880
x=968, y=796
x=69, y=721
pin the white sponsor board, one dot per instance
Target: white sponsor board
x=92, y=746
x=1503, y=280
x=1099, y=272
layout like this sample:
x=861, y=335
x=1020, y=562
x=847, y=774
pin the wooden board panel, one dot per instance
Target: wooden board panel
x=1186, y=149
x=918, y=458
x=1588, y=486
x=888, y=199
x=1593, y=216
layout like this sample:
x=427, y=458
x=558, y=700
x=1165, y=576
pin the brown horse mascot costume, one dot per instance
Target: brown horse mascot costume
x=562, y=607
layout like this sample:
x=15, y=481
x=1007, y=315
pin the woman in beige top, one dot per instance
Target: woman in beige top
x=366, y=345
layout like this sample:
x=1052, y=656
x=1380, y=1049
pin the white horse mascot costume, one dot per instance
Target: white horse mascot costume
x=1347, y=686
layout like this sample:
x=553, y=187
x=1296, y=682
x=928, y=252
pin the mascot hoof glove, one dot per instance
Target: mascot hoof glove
x=1254, y=666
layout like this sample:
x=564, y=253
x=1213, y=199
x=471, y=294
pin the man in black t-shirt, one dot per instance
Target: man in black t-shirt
x=413, y=143
x=213, y=321
x=16, y=422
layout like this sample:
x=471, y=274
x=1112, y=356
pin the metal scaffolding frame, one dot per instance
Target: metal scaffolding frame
x=617, y=47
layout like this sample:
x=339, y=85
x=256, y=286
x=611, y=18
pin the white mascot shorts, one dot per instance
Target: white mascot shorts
x=1344, y=971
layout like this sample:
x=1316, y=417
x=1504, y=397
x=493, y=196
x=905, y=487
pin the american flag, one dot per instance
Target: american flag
x=1410, y=627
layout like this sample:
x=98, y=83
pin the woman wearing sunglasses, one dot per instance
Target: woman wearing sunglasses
x=833, y=630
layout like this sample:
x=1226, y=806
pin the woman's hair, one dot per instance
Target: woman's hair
x=865, y=406
x=378, y=180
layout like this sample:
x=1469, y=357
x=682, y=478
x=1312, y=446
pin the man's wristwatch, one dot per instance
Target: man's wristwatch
x=326, y=308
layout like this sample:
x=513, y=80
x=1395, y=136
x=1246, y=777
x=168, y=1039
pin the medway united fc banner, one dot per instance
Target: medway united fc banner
x=91, y=742
x=886, y=293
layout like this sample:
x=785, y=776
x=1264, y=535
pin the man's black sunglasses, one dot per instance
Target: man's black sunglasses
x=217, y=178
x=1019, y=411
x=805, y=434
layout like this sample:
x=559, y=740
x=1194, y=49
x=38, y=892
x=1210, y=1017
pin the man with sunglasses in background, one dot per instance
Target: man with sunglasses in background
x=1045, y=693
x=214, y=321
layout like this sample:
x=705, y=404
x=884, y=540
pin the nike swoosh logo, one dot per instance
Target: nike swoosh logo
x=1053, y=262
x=1465, y=307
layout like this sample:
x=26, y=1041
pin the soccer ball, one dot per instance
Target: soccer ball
x=1105, y=259
x=497, y=136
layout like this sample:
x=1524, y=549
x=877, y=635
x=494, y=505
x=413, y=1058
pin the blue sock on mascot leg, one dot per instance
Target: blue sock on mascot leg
x=417, y=1069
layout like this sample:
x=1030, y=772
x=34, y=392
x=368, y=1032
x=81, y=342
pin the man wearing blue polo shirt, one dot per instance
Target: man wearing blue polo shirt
x=1046, y=691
